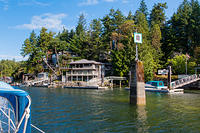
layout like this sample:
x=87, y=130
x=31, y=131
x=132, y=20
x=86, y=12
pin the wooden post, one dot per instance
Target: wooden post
x=120, y=84
x=129, y=84
x=137, y=90
x=111, y=83
x=169, y=77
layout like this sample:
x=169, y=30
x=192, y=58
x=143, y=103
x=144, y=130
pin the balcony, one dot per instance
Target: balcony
x=82, y=74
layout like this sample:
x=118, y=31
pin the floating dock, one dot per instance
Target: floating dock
x=161, y=90
x=85, y=87
x=165, y=90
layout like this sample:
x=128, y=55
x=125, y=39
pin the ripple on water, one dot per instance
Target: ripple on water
x=73, y=110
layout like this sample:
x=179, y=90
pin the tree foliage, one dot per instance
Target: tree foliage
x=110, y=40
x=179, y=64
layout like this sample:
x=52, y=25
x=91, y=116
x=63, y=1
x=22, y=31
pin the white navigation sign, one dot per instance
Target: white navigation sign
x=138, y=37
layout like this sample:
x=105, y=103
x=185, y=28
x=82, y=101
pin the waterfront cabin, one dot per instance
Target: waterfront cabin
x=83, y=73
x=42, y=76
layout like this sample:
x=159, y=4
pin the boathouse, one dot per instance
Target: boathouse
x=83, y=73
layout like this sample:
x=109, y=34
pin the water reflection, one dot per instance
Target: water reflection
x=73, y=110
x=142, y=119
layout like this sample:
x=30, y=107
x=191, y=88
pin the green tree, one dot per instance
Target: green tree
x=179, y=64
x=157, y=15
x=96, y=47
x=143, y=8
x=81, y=27
x=130, y=16
x=8, y=67
x=124, y=54
x=179, y=22
x=78, y=45
x=145, y=49
x=37, y=48
x=111, y=23
x=194, y=27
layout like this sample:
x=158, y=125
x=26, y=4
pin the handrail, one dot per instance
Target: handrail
x=184, y=81
x=26, y=112
x=37, y=128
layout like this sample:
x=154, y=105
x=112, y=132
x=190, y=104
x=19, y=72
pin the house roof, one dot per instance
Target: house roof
x=84, y=61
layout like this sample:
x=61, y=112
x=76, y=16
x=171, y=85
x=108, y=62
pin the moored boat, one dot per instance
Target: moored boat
x=158, y=86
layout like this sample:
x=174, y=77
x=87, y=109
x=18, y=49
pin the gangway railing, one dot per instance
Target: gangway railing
x=185, y=81
x=33, y=82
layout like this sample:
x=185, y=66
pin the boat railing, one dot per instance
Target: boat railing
x=6, y=120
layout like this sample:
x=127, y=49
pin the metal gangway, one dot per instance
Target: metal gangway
x=36, y=81
x=114, y=78
x=185, y=81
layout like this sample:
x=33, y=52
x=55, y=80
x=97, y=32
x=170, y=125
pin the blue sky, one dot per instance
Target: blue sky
x=19, y=17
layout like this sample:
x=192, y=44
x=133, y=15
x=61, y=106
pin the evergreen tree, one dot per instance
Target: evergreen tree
x=194, y=27
x=111, y=23
x=96, y=46
x=179, y=22
x=78, y=45
x=81, y=27
x=143, y=8
x=157, y=15
x=130, y=16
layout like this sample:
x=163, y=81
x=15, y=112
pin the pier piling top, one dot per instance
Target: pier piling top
x=137, y=89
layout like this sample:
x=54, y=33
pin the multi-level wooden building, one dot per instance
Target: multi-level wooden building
x=83, y=73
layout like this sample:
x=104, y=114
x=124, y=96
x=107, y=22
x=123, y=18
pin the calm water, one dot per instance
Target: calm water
x=97, y=111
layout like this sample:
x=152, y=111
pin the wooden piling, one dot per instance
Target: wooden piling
x=137, y=89
x=169, y=77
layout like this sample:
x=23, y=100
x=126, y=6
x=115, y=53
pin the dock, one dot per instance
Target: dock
x=174, y=91
x=165, y=90
x=85, y=87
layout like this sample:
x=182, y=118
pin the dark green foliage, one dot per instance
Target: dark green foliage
x=130, y=16
x=8, y=67
x=110, y=40
x=143, y=8
x=157, y=15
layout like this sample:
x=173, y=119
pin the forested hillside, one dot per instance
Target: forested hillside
x=110, y=40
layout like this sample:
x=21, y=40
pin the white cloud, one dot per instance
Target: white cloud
x=10, y=57
x=47, y=20
x=88, y=2
x=32, y=2
x=125, y=1
x=40, y=3
x=5, y=4
x=109, y=0
x=94, y=2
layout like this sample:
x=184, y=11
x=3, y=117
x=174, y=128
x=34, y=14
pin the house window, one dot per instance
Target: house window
x=89, y=72
x=74, y=78
x=79, y=78
x=85, y=78
x=90, y=77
